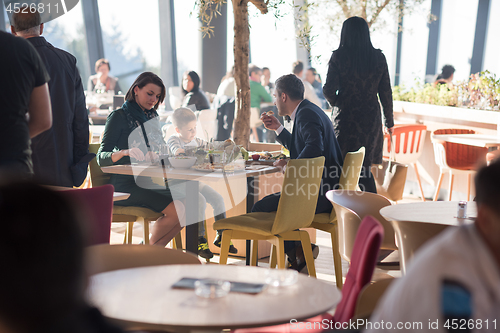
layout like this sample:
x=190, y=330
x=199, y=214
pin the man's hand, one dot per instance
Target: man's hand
x=281, y=164
x=270, y=122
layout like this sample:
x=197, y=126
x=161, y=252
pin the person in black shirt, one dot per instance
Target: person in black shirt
x=23, y=91
x=60, y=155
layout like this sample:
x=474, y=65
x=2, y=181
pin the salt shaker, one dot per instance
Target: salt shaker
x=462, y=210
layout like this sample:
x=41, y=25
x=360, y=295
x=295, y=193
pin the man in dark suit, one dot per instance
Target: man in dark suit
x=312, y=136
x=60, y=155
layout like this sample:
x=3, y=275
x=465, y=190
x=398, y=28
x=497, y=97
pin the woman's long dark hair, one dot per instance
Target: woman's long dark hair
x=142, y=80
x=196, y=82
x=356, y=49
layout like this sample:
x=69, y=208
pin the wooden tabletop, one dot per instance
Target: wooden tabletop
x=186, y=174
x=478, y=140
x=143, y=298
x=438, y=212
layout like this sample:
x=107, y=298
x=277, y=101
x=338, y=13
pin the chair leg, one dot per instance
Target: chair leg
x=130, y=228
x=224, y=247
x=145, y=223
x=337, y=261
x=450, y=189
x=308, y=254
x=419, y=181
x=177, y=242
x=254, y=252
x=440, y=180
x=280, y=252
x=272, y=257
x=469, y=180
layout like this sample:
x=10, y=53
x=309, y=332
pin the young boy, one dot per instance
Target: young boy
x=184, y=121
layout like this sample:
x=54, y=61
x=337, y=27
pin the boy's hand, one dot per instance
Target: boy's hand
x=270, y=122
x=180, y=151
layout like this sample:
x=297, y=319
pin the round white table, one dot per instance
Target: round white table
x=142, y=298
x=416, y=223
x=437, y=212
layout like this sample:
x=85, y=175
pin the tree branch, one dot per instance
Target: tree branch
x=377, y=12
x=345, y=8
x=363, y=9
x=261, y=5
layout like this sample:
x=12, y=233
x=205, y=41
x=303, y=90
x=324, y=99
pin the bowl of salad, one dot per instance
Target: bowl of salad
x=182, y=162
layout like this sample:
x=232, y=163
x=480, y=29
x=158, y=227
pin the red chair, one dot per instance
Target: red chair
x=408, y=146
x=97, y=206
x=456, y=158
x=363, y=261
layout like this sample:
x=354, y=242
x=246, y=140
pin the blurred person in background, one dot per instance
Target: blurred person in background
x=194, y=97
x=265, y=80
x=455, y=277
x=312, y=78
x=102, y=81
x=357, y=77
x=446, y=76
x=258, y=94
x=309, y=93
x=26, y=110
x=224, y=103
x=60, y=155
x=43, y=282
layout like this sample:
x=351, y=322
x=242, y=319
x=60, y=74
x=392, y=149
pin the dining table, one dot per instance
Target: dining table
x=250, y=173
x=143, y=298
x=418, y=222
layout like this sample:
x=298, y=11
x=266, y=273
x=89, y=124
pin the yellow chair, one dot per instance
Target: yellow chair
x=295, y=210
x=105, y=257
x=328, y=221
x=126, y=214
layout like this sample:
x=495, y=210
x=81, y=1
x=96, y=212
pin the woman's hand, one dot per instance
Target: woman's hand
x=135, y=153
x=270, y=122
x=389, y=130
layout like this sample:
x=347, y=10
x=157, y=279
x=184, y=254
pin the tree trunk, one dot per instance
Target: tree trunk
x=241, y=51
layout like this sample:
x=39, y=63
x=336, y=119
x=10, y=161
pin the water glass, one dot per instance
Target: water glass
x=211, y=288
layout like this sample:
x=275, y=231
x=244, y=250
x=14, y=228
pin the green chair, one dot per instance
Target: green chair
x=295, y=210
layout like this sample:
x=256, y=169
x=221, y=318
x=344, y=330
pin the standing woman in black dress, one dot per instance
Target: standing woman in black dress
x=357, y=72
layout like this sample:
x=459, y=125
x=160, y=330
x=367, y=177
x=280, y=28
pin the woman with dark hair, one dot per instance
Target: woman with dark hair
x=193, y=95
x=446, y=76
x=102, y=80
x=128, y=124
x=357, y=73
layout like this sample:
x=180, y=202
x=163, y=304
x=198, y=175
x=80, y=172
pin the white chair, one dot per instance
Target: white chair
x=207, y=124
x=175, y=97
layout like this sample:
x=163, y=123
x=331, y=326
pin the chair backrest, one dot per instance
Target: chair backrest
x=207, y=124
x=351, y=207
x=349, y=179
x=410, y=236
x=105, y=258
x=299, y=194
x=408, y=143
x=97, y=177
x=457, y=156
x=364, y=258
x=175, y=97
x=96, y=205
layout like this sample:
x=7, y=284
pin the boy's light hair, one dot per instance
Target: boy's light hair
x=182, y=116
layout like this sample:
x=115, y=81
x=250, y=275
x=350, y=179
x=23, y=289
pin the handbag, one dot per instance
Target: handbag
x=390, y=177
